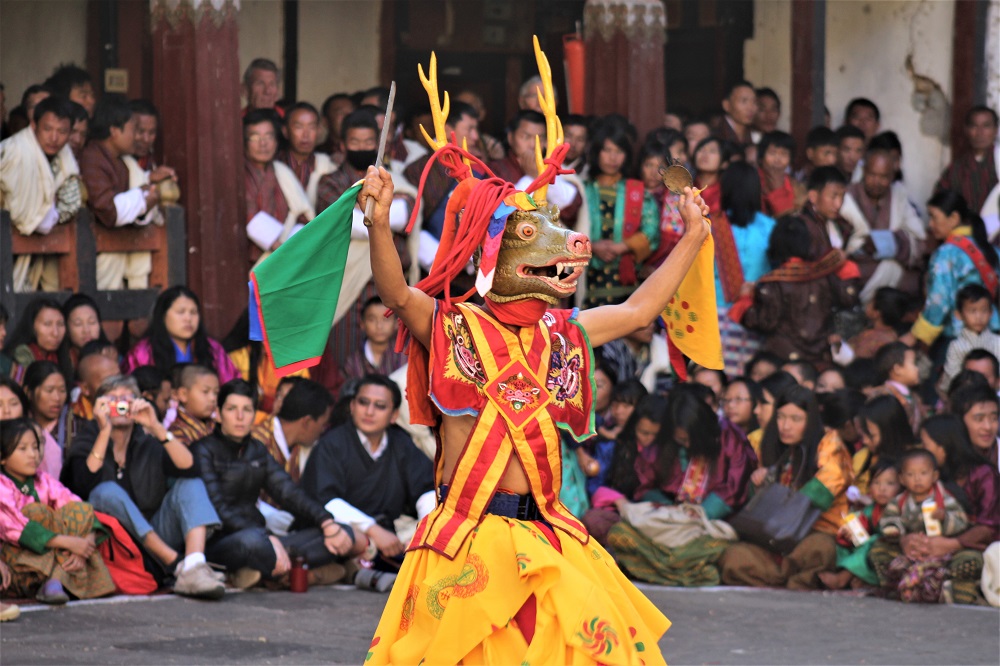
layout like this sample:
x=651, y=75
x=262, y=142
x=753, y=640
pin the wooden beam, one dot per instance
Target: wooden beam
x=290, y=75
x=808, y=68
x=968, y=65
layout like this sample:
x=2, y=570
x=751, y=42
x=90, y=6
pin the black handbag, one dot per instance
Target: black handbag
x=776, y=518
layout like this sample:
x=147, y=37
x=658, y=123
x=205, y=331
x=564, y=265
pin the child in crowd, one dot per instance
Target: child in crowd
x=827, y=229
x=47, y=532
x=886, y=314
x=778, y=194
x=378, y=355
x=924, y=507
x=854, y=570
x=198, y=400
x=896, y=366
x=974, y=307
x=805, y=373
x=821, y=151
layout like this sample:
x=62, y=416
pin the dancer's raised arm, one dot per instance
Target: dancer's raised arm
x=413, y=307
x=610, y=322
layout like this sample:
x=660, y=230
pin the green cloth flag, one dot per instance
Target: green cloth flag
x=294, y=291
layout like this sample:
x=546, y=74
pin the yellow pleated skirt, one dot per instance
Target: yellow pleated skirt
x=462, y=611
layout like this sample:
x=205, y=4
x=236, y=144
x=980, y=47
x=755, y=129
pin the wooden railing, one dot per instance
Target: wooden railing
x=76, y=244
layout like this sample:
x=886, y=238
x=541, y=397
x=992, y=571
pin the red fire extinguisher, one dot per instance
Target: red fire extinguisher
x=574, y=61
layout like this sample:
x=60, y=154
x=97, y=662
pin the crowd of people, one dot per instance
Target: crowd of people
x=859, y=331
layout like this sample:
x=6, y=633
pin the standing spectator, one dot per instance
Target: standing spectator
x=141, y=163
x=73, y=83
x=336, y=107
x=850, y=149
x=177, y=335
x=863, y=113
x=260, y=87
x=113, y=199
x=768, y=112
x=740, y=106
x=487, y=147
x=974, y=173
x=79, y=130
x=309, y=165
x=40, y=187
x=624, y=225
x=577, y=135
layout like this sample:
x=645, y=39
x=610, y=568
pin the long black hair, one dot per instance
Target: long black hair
x=803, y=454
x=78, y=301
x=618, y=131
x=950, y=201
x=35, y=375
x=24, y=333
x=10, y=434
x=789, y=238
x=164, y=356
x=740, y=184
x=621, y=475
x=238, y=338
x=895, y=433
x=15, y=388
x=688, y=412
x=960, y=456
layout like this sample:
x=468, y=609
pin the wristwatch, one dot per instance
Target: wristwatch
x=169, y=438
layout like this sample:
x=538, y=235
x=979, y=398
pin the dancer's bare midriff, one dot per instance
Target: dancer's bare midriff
x=455, y=432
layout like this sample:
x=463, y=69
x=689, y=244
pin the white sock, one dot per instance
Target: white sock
x=192, y=560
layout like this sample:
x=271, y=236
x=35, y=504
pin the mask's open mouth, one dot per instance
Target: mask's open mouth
x=561, y=275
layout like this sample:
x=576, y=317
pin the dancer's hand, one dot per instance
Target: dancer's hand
x=694, y=210
x=378, y=184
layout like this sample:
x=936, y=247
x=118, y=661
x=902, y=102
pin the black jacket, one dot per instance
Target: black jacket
x=234, y=474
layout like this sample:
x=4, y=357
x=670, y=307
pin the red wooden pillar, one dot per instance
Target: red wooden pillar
x=808, y=68
x=196, y=88
x=968, y=65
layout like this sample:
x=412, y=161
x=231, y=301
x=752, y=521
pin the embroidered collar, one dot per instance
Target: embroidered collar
x=26, y=487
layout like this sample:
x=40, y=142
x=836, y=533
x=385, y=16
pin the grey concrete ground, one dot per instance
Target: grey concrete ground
x=334, y=625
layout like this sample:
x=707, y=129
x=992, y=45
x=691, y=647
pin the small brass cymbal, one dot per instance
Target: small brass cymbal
x=676, y=178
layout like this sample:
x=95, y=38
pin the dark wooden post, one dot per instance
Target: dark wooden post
x=196, y=81
x=808, y=68
x=968, y=66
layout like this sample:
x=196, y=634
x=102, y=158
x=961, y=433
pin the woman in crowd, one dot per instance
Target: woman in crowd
x=45, y=388
x=236, y=468
x=47, y=533
x=797, y=453
x=977, y=405
x=13, y=402
x=177, y=335
x=622, y=236
x=39, y=337
x=772, y=388
x=964, y=257
x=741, y=233
x=885, y=434
x=975, y=483
x=739, y=403
x=710, y=159
x=83, y=324
x=830, y=380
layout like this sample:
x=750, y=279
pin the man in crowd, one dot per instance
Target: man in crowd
x=372, y=468
x=32, y=96
x=768, y=112
x=885, y=223
x=114, y=200
x=974, y=172
x=400, y=152
x=276, y=202
x=850, y=149
x=740, y=106
x=74, y=84
x=92, y=369
x=260, y=86
x=80, y=129
x=863, y=114
x=290, y=435
x=335, y=109
x=488, y=147
x=40, y=186
x=141, y=163
x=576, y=134
x=301, y=131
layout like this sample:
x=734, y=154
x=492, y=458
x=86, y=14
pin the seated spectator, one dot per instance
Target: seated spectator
x=46, y=390
x=13, y=402
x=695, y=131
x=974, y=307
x=629, y=357
x=887, y=229
x=39, y=336
x=797, y=454
x=739, y=404
x=7, y=366
x=291, y=433
x=277, y=204
x=378, y=355
x=853, y=568
x=973, y=173
x=40, y=187
x=260, y=87
x=772, y=388
x=113, y=198
x=73, y=83
x=336, y=107
x=850, y=151
x=156, y=389
x=886, y=314
x=885, y=435
x=94, y=367
x=976, y=483
x=48, y=534
x=714, y=380
x=79, y=130
x=622, y=236
x=625, y=395
x=978, y=406
x=246, y=354
x=197, y=402
x=804, y=372
x=821, y=211
x=917, y=578
x=964, y=257
x=762, y=364
x=838, y=411
x=741, y=233
x=830, y=380
x=127, y=465
x=236, y=468
x=83, y=324
x=896, y=365
x=821, y=151
x=309, y=165
x=372, y=469
x=768, y=114
x=776, y=152
x=984, y=363
x=177, y=335
x=793, y=304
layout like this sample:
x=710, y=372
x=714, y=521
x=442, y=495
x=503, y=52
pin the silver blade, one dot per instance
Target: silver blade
x=370, y=205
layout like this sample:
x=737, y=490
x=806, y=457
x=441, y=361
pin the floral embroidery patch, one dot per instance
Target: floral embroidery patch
x=464, y=364
x=564, y=378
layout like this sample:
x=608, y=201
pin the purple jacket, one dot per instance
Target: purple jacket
x=142, y=354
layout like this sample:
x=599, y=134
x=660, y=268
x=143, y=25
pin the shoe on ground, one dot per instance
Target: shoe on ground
x=328, y=574
x=199, y=582
x=244, y=578
x=9, y=612
x=52, y=593
x=378, y=581
x=947, y=593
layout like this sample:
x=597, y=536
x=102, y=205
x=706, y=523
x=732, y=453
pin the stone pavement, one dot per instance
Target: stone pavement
x=334, y=625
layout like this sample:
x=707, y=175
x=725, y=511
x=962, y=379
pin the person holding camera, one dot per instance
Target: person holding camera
x=126, y=464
